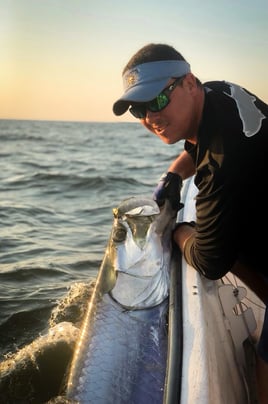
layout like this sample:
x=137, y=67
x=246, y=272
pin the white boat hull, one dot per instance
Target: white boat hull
x=215, y=368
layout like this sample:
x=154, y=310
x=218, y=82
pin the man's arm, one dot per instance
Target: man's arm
x=183, y=165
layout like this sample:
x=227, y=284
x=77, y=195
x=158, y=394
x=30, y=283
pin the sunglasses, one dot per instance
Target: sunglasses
x=160, y=102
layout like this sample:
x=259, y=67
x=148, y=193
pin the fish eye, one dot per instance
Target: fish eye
x=119, y=234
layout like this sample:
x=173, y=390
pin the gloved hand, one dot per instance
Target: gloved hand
x=169, y=187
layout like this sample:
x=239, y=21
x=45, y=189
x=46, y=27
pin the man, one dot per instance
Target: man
x=225, y=129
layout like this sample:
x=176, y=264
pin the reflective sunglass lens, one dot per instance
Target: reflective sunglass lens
x=158, y=103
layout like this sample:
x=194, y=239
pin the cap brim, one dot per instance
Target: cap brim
x=144, y=82
x=120, y=107
x=139, y=93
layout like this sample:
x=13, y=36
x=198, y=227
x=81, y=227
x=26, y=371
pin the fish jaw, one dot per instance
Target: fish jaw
x=142, y=254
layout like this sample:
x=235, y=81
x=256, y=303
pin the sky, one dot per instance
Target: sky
x=63, y=59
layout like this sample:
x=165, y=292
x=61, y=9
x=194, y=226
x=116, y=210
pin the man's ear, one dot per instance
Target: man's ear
x=190, y=82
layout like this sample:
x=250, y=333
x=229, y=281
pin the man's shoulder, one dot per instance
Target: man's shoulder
x=218, y=85
x=233, y=90
x=236, y=101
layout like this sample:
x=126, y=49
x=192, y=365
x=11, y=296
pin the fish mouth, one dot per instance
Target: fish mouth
x=136, y=206
x=138, y=245
x=136, y=215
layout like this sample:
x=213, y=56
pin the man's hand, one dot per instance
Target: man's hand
x=169, y=187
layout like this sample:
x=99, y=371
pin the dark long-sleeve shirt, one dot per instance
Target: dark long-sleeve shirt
x=231, y=158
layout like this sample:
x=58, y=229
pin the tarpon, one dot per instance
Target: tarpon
x=121, y=355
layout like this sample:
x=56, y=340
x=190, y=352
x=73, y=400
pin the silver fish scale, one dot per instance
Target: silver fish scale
x=121, y=355
x=126, y=356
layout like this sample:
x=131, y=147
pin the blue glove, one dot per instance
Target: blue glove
x=169, y=187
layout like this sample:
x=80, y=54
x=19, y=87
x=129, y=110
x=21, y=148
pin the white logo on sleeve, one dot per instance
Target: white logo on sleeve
x=250, y=115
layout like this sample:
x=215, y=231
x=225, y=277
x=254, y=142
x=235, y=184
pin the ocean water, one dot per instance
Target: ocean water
x=58, y=184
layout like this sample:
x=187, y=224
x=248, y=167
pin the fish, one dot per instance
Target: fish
x=121, y=353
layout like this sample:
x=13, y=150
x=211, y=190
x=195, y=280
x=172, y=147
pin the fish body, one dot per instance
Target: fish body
x=121, y=355
x=125, y=359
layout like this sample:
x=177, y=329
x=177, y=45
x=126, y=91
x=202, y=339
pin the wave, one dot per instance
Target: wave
x=35, y=372
x=44, y=180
